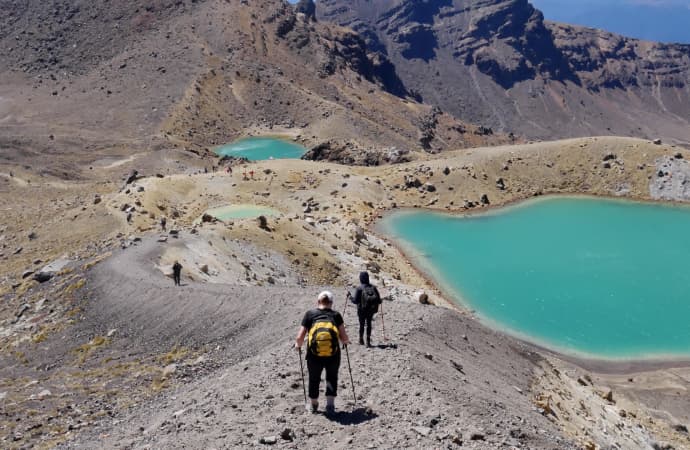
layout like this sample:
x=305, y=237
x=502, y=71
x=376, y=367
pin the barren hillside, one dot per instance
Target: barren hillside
x=94, y=79
x=498, y=63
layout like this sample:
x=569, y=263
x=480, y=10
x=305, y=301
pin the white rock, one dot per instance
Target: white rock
x=424, y=431
x=44, y=393
x=169, y=370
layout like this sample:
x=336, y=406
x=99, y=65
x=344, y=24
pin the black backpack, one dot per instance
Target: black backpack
x=370, y=299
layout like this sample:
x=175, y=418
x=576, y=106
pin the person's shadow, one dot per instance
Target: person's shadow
x=386, y=346
x=354, y=417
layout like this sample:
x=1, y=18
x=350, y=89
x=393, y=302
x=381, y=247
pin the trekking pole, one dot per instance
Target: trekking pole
x=383, y=325
x=348, y=296
x=301, y=370
x=352, y=383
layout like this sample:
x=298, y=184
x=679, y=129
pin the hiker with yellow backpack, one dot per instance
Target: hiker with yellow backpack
x=325, y=331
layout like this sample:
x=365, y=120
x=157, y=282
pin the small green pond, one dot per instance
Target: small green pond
x=262, y=148
x=241, y=212
x=597, y=278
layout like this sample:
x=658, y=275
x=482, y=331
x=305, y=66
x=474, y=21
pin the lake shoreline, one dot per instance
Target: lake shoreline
x=457, y=301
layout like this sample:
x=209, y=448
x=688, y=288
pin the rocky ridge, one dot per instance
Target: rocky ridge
x=499, y=63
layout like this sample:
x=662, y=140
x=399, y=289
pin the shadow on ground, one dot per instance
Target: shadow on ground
x=354, y=417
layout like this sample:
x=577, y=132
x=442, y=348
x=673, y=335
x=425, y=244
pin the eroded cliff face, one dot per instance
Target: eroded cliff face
x=498, y=63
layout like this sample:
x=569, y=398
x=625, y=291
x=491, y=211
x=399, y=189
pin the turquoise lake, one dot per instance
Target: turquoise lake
x=589, y=277
x=262, y=148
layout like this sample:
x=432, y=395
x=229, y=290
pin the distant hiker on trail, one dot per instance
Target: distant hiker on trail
x=324, y=329
x=367, y=299
x=251, y=174
x=164, y=221
x=177, y=270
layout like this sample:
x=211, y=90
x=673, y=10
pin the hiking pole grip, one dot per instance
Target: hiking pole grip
x=349, y=368
x=301, y=370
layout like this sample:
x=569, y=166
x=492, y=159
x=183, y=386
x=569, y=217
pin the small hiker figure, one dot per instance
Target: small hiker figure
x=244, y=175
x=164, y=221
x=205, y=169
x=251, y=174
x=325, y=330
x=367, y=299
x=177, y=270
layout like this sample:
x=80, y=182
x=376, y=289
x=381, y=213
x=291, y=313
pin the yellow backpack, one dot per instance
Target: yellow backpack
x=323, y=337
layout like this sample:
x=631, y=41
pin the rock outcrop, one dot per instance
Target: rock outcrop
x=498, y=63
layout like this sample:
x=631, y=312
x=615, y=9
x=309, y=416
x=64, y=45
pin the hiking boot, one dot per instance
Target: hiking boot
x=369, y=343
x=312, y=408
x=330, y=410
x=361, y=341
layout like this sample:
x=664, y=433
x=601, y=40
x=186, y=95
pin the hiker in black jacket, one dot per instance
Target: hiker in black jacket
x=177, y=270
x=367, y=299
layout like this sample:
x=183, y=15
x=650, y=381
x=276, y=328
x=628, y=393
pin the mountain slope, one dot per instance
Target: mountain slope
x=194, y=74
x=498, y=63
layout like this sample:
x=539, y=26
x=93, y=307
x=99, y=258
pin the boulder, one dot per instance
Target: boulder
x=27, y=273
x=607, y=395
x=476, y=435
x=421, y=297
x=500, y=184
x=485, y=199
x=268, y=440
x=429, y=187
x=22, y=310
x=42, y=277
x=657, y=141
x=412, y=182
x=207, y=218
x=50, y=270
x=263, y=223
x=133, y=176
x=680, y=428
x=360, y=234
x=287, y=434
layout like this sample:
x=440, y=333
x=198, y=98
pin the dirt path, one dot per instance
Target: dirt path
x=441, y=378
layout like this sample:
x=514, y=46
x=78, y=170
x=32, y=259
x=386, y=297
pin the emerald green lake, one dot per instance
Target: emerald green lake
x=597, y=278
x=261, y=148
